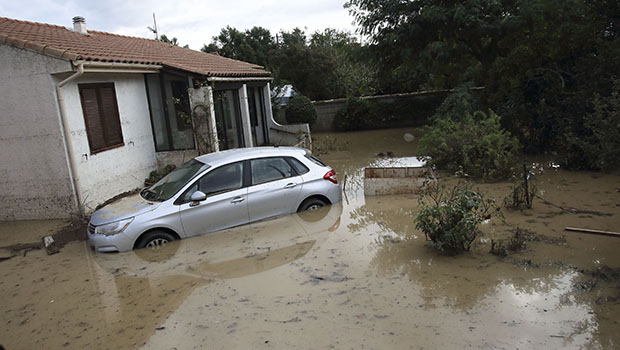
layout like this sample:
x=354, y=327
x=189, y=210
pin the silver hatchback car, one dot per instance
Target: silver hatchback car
x=213, y=192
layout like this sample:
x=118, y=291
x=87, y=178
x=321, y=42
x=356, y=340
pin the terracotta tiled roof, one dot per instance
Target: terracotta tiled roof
x=105, y=47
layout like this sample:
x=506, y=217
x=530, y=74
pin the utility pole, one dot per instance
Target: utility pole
x=154, y=29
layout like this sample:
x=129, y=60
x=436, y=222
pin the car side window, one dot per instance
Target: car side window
x=270, y=169
x=188, y=194
x=223, y=179
x=299, y=166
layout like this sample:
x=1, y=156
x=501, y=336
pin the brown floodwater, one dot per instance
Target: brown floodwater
x=356, y=275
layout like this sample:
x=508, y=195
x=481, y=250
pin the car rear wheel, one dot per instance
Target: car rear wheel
x=155, y=240
x=311, y=204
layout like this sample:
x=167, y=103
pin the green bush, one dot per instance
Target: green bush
x=476, y=145
x=449, y=218
x=596, y=143
x=354, y=116
x=458, y=104
x=300, y=109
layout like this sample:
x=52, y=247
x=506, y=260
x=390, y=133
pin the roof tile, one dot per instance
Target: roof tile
x=105, y=47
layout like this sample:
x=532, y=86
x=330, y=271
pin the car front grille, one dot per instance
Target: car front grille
x=91, y=229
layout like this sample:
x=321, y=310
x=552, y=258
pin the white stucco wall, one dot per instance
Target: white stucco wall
x=34, y=173
x=285, y=135
x=103, y=175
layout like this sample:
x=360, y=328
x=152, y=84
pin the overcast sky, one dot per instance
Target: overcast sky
x=193, y=22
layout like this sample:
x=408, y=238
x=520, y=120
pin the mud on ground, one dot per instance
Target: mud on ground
x=356, y=275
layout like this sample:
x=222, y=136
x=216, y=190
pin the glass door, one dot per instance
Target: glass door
x=228, y=119
x=257, y=116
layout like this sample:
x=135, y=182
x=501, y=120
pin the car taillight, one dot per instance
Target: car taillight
x=331, y=176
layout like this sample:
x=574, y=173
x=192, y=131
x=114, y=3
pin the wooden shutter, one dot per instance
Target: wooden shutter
x=101, y=117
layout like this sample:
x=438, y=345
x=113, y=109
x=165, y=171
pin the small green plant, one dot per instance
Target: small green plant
x=450, y=217
x=300, y=110
x=476, y=145
x=156, y=175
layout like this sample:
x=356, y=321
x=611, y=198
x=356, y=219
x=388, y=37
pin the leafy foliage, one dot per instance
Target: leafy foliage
x=542, y=61
x=174, y=41
x=476, y=145
x=598, y=146
x=325, y=65
x=255, y=45
x=156, y=175
x=300, y=110
x=450, y=217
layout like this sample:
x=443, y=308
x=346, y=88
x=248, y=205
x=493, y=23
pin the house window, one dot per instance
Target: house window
x=103, y=125
x=170, y=112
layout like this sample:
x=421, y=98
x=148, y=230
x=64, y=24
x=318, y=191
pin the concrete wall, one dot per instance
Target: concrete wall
x=422, y=105
x=34, y=173
x=285, y=135
x=103, y=175
x=325, y=113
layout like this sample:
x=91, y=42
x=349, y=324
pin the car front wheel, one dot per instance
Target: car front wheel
x=155, y=240
x=311, y=204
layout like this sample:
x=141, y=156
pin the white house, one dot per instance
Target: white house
x=87, y=115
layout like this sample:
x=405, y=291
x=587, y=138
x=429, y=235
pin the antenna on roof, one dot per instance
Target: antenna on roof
x=154, y=29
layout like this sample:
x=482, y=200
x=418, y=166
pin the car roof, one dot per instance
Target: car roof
x=238, y=154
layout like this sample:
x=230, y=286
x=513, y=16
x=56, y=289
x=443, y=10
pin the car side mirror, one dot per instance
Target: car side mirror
x=196, y=198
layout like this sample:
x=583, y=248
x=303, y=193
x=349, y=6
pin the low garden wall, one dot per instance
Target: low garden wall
x=372, y=112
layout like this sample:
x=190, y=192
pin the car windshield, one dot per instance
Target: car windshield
x=170, y=184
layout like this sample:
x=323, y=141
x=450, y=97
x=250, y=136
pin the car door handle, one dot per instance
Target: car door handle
x=237, y=200
x=291, y=185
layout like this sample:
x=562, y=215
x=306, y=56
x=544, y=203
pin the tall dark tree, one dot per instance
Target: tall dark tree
x=255, y=45
x=174, y=41
x=542, y=61
x=328, y=64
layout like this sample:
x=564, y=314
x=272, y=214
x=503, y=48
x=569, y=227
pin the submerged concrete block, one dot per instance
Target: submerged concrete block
x=399, y=176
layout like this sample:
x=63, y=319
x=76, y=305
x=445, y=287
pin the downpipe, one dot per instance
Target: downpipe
x=77, y=195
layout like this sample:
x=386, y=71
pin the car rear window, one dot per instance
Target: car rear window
x=299, y=166
x=315, y=160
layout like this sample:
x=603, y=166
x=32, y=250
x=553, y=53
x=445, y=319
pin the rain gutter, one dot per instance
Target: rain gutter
x=240, y=79
x=77, y=195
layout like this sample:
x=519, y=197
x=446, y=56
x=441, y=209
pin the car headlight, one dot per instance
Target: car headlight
x=113, y=228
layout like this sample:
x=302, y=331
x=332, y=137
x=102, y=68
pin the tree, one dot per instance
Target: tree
x=542, y=61
x=431, y=44
x=255, y=45
x=328, y=64
x=163, y=38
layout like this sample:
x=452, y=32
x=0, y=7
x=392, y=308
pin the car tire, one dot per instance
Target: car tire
x=311, y=204
x=155, y=240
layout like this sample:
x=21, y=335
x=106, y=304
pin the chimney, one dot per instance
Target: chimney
x=79, y=25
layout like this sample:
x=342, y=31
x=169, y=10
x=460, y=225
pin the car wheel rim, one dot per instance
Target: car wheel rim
x=157, y=242
x=314, y=207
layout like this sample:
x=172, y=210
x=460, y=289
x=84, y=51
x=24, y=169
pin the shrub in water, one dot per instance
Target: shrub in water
x=300, y=110
x=450, y=217
x=476, y=145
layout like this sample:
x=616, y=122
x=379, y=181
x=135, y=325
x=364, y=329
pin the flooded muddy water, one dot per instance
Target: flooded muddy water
x=355, y=275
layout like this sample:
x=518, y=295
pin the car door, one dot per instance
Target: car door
x=226, y=204
x=275, y=188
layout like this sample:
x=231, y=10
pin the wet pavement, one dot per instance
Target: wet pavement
x=356, y=275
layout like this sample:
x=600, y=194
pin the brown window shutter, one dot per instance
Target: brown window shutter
x=101, y=117
x=94, y=129
x=110, y=117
